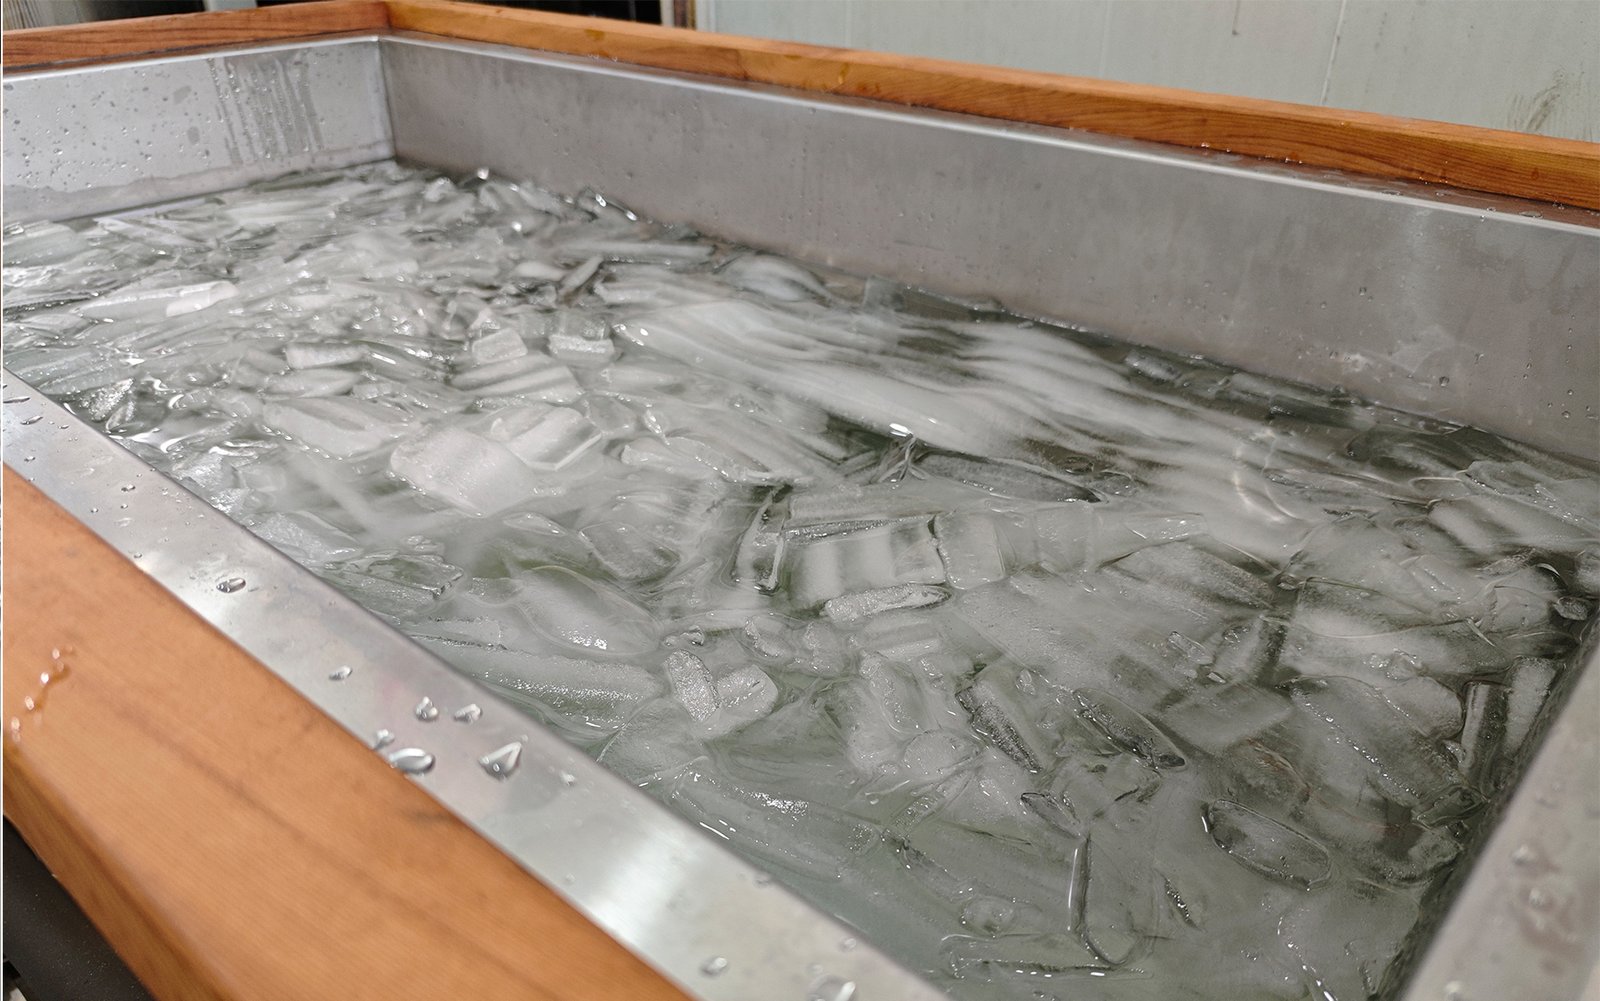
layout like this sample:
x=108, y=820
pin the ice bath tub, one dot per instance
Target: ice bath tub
x=1466, y=306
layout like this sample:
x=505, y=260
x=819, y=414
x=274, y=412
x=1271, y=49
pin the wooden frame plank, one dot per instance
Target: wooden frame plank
x=27, y=48
x=1499, y=162
x=229, y=839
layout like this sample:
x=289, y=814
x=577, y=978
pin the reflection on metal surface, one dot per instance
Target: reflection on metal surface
x=101, y=138
x=651, y=880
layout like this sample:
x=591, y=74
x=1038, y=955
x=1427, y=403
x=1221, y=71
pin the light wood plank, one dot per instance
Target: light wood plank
x=98, y=40
x=229, y=839
x=1512, y=163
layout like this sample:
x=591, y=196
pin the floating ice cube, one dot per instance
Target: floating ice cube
x=497, y=346
x=998, y=714
x=1266, y=846
x=544, y=438
x=339, y=427
x=858, y=605
x=464, y=470
x=322, y=354
x=873, y=556
x=692, y=685
x=1127, y=727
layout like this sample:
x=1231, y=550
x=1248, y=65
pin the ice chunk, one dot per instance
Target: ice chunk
x=1432, y=708
x=744, y=695
x=858, y=605
x=150, y=303
x=759, y=558
x=534, y=376
x=497, y=346
x=804, y=837
x=1349, y=934
x=1483, y=732
x=1586, y=572
x=773, y=277
x=401, y=586
x=1214, y=718
x=1127, y=727
x=464, y=470
x=998, y=714
x=594, y=694
x=580, y=339
x=655, y=745
x=692, y=685
x=858, y=559
x=1263, y=845
x=303, y=536
x=1022, y=961
x=322, y=354
x=1003, y=479
x=629, y=553
x=312, y=383
x=971, y=548
x=544, y=438
x=1390, y=752
x=1530, y=680
x=583, y=614
x=339, y=427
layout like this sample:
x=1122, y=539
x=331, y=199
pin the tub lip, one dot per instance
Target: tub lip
x=689, y=898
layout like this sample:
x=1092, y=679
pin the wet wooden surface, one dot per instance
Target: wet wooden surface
x=230, y=840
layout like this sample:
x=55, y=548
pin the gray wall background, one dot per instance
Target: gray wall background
x=1527, y=65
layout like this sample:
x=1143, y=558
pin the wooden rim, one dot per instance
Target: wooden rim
x=229, y=839
x=97, y=41
x=1565, y=171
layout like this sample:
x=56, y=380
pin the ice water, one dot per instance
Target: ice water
x=1059, y=667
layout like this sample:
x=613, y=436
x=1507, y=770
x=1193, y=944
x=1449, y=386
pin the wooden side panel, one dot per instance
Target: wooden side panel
x=229, y=839
x=94, y=40
x=1511, y=163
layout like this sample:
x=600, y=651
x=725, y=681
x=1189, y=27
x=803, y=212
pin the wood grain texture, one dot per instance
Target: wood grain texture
x=1510, y=163
x=97, y=40
x=229, y=839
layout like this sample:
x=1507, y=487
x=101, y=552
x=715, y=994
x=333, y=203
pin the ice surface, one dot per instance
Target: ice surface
x=1058, y=667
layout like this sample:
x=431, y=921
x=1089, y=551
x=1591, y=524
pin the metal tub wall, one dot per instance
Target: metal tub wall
x=1468, y=308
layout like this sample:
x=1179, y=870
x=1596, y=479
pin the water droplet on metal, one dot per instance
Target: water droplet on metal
x=411, y=760
x=229, y=585
x=467, y=714
x=714, y=966
x=426, y=710
x=382, y=739
x=763, y=879
x=567, y=779
x=36, y=418
x=847, y=944
x=501, y=762
x=1455, y=991
x=832, y=989
x=17, y=399
x=128, y=488
x=339, y=673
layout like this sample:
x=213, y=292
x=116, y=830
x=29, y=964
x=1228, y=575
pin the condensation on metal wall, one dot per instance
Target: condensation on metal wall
x=1527, y=65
